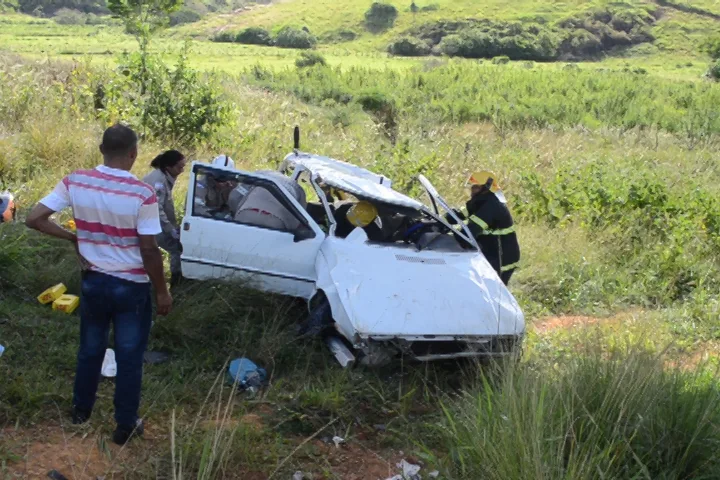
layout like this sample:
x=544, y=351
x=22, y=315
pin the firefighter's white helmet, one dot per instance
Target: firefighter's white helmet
x=223, y=161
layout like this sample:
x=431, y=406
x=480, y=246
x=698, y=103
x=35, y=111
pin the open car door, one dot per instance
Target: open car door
x=249, y=226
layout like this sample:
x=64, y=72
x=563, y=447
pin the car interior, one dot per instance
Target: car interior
x=251, y=201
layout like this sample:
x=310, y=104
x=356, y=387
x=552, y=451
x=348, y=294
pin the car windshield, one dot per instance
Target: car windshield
x=387, y=224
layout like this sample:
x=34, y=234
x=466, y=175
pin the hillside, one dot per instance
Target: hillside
x=667, y=42
x=610, y=166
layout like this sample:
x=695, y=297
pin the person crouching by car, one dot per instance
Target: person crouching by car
x=166, y=168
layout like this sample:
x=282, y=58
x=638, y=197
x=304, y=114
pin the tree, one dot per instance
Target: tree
x=143, y=18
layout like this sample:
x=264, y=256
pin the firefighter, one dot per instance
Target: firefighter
x=490, y=222
x=217, y=190
x=166, y=168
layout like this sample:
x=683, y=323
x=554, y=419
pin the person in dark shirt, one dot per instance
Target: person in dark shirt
x=489, y=220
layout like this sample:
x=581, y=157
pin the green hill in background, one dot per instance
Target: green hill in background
x=662, y=36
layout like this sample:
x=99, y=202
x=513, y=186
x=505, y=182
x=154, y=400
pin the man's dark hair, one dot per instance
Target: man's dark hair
x=118, y=140
x=167, y=159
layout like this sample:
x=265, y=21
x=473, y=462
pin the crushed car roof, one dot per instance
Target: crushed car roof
x=352, y=179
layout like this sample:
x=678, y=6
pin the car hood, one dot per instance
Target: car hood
x=389, y=291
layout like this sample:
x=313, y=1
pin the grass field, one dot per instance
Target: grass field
x=612, y=176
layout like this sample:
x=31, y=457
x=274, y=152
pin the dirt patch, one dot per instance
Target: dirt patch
x=549, y=324
x=76, y=455
x=702, y=355
x=354, y=461
x=75, y=452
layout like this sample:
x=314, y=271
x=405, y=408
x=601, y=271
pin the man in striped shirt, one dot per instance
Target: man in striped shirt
x=117, y=218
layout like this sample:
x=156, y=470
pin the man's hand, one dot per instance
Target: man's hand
x=153, y=263
x=164, y=303
x=84, y=263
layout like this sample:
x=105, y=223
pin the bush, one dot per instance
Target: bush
x=514, y=41
x=409, y=47
x=184, y=16
x=309, y=59
x=714, y=71
x=254, y=36
x=291, y=37
x=501, y=60
x=177, y=104
x=224, y=37
x=380, y=16
x=67, y=16
x=342, y=35
x=711, y=46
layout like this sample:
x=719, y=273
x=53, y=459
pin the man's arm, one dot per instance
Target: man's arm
x=153, y=263
x=39, y=219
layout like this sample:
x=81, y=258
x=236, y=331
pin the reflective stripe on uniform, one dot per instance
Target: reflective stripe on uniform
x=486, y=227
x=512, y=266
x=504, y=231
x=479, y=221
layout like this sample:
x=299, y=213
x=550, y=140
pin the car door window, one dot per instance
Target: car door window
x=246, y=200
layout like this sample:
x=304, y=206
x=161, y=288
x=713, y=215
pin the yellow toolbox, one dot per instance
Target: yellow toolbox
x=52, y=294
x=66, y=303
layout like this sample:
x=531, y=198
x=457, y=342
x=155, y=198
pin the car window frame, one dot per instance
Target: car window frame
x=255, y=180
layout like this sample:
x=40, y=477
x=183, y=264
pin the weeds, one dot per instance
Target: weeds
x=605, y=413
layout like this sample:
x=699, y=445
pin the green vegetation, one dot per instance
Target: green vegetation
x=510, y=96
x=606, y=413
x=380, y=16
x=310, y=59
x=583, y=35
x=291, y=37
x=610, y=168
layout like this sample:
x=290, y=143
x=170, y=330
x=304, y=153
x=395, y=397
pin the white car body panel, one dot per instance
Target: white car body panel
x=267, y=259
x=376, y=292
x=394, y=292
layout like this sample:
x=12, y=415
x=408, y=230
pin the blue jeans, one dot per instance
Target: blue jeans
x=128, y=306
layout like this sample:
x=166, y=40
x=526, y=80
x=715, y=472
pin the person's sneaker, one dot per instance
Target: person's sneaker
x=125, y=433
x=80, y=416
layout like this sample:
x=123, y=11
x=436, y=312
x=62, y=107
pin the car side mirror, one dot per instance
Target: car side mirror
x=303, y=234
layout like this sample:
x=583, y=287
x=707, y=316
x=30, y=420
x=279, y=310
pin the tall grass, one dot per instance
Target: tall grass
x=514, y=97
x=604, y=413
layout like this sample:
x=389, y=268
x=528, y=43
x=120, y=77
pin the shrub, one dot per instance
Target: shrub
x=342, y=35
x=173, y=104
x=516, y=42
x=254, y=36
x=291, y=37
x=224, y=37
x=380, y=16
x=714, y=71
x=711, y=46
x=184, y=16
x=501, y=60
x=430, y=8
x=409, y=47
x=309, y=59
x=67, y=16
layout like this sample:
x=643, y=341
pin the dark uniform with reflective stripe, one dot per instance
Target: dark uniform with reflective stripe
x=491, y=224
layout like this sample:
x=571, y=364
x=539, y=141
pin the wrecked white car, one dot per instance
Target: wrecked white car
x=407, y=284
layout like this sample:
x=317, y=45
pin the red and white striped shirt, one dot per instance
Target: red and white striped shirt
x=111, y=208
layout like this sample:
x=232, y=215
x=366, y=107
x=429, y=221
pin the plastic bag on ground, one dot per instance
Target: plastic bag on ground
x=246, y=374
x=109, y=367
